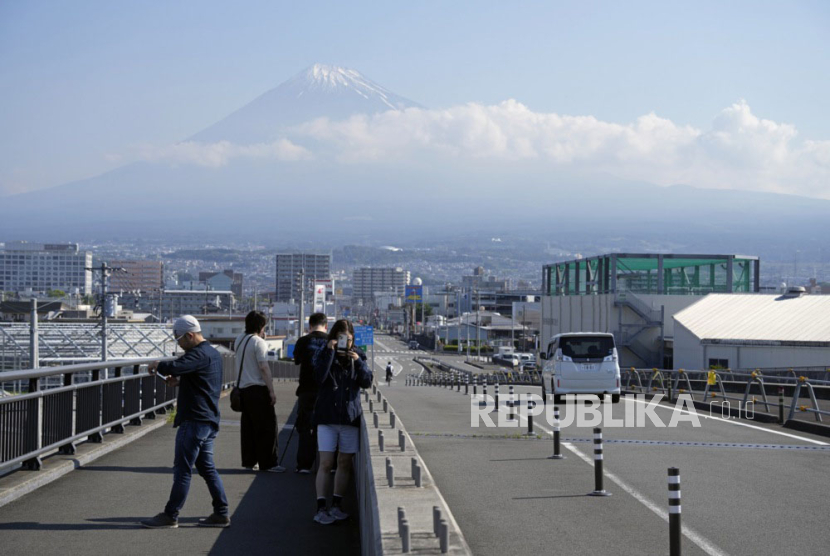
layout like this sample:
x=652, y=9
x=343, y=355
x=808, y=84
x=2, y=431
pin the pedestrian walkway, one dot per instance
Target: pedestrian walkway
x=96, y=509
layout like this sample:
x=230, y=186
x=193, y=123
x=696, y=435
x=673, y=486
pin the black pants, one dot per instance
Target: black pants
x=259, y=428
x=307, y=449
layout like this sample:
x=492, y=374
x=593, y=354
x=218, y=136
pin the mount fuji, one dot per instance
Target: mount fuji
x=319, y=91
x=321, y=197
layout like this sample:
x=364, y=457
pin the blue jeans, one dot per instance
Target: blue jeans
x=194, y=446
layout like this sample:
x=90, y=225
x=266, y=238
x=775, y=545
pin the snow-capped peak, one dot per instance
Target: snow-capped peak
x=324, y=77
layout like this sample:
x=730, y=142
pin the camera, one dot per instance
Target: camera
x=342, y=343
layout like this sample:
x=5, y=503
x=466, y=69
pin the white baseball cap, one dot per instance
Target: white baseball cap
x=185, y=324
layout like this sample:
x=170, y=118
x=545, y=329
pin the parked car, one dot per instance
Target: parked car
x=413, y=345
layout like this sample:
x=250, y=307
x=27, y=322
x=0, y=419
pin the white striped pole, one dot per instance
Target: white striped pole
x=484, y=398
x=497, y=397
x=598, y=475
x=675, y=531
x=529, y=416
x=556, y=450
x=512, y=414
x=475, y=385
x=467, y=385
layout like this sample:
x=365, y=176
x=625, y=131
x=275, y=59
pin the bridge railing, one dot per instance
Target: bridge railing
x=803, y=386
x=68, y=404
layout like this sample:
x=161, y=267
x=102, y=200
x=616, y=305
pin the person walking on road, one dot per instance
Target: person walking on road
x=259, y=420
x=304, y=351
x=389, y=373
x=198, y=373
x=340, y=371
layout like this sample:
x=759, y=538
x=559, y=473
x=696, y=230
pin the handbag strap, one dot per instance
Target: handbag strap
x=242, y=361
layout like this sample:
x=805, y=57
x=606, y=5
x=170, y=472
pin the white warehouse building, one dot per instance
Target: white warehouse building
x=758, y=331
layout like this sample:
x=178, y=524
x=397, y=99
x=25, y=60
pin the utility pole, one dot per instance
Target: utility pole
x=478, y=323
x=302, y=304
x=105, y=274
x=34, y=355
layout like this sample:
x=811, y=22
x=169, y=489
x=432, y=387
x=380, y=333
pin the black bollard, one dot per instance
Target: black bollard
x=529, y=416
x=556, y=451
x=512, y=415
x=675, y=531
x=598, y=475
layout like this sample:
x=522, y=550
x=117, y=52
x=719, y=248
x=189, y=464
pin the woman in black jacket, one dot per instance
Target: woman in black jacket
x=340, y=373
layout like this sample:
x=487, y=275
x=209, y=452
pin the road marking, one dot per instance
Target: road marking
x=733, y=422
x=702, y=542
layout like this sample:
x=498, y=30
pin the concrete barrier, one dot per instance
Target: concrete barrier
x=411, y=487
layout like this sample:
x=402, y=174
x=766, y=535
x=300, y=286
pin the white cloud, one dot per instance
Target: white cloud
x=740, y=151
x=219, y=154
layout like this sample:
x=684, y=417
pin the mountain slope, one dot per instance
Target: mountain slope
x=319, y=91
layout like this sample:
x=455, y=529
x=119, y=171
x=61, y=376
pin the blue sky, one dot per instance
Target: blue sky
x=83, y=83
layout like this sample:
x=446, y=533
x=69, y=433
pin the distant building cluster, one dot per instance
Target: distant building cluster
x=44, y=267
x=315, y=267
x=367, y=282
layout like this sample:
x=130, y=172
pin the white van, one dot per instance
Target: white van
x=582, y=363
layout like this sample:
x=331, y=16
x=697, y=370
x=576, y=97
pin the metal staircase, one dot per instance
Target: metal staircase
x=629, y=334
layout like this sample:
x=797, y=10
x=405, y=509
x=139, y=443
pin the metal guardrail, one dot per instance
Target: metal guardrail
x=54, y=415
x=447, y=372
x=717, y=385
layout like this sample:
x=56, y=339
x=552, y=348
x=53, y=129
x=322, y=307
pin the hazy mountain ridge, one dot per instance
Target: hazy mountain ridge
x=324, y=200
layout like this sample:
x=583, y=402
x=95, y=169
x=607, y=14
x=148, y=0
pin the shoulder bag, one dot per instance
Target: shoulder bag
x=236, y=393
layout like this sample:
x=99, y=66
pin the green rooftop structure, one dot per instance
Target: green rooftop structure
x=649, y=273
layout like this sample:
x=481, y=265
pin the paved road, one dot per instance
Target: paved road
x=762, y=491
x=270, y=513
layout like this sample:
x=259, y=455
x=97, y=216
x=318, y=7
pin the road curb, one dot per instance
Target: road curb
x=418, y=502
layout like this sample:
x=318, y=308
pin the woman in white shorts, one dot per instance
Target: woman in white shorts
x=340, y=373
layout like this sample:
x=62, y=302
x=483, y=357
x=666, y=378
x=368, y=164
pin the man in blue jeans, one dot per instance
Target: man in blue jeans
x=198, y=373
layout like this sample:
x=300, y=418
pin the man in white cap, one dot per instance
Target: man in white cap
x=198, y=373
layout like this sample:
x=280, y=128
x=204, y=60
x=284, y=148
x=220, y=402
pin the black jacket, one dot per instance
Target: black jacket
x=338, y=400
x=199, y=372
x=304, y=351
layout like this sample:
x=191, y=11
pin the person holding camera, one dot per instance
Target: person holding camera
x=340, y=371
x=304, y=351
x=256, y=387
x=198, y=374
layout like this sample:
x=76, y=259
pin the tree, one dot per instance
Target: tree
x=56, y=293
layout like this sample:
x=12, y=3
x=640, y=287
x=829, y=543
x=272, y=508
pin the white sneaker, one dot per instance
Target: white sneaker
x=323, y=517
x=337, y=514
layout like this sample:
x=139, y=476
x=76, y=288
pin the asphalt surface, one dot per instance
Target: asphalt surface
x=747, y=488
x=96, y=509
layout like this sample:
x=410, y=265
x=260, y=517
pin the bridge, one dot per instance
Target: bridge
x=80, y=476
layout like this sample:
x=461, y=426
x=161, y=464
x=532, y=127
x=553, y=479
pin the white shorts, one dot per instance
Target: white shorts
x=330, y=437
